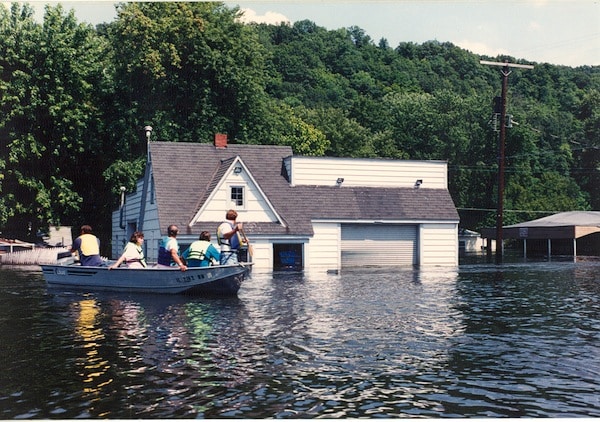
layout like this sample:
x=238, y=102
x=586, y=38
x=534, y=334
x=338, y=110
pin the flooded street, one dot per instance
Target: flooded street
x=518, y=340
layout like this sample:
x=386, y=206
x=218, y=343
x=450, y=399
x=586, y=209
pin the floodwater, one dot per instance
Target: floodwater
x=517, y=340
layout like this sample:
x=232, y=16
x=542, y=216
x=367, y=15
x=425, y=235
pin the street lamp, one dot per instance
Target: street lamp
x=142, y=214
x=148, y=130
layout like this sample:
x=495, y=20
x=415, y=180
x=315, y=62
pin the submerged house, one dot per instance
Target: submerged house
x=317, y=213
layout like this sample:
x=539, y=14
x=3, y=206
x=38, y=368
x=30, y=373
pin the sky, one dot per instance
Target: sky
x=561, y=32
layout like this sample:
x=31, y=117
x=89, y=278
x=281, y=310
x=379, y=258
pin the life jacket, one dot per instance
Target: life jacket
x=198, y=250
x=234, y=241
x=164, y=255
x=140, y=253
x=89, y=245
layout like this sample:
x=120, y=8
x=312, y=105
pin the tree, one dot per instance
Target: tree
x=347, y=138
x=587, y=147
x=293, y=131
x=50, y=77
x=188, y=69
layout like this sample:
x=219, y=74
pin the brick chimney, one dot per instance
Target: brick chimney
x=220, y=140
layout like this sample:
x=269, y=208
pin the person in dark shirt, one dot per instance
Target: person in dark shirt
x=168, y=252
x=88, y=247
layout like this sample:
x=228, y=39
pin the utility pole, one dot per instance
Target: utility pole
x=501, y=140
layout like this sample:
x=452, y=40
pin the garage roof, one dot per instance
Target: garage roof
x=564, y=225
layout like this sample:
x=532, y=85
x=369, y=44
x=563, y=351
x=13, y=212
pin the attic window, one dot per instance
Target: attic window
x=237, y=196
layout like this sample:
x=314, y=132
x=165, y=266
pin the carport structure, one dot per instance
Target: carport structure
x=572, y=225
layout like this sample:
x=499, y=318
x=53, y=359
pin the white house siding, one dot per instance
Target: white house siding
x=152, y=234
x=438, y=244
x=262, y=255
x=255, y=209
x=366, y=172
x=323, y=250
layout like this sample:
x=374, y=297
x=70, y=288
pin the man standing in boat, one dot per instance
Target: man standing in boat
x=88, y=247
x=168, y=252
x=229, y=238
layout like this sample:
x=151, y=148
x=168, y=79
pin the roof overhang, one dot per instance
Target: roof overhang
x=557, y=232
x=387, y=221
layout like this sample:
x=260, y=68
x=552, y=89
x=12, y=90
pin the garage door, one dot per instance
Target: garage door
x=367, y=244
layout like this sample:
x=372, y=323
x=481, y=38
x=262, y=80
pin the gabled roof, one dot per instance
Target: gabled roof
x=185, y=174
x=225, y=168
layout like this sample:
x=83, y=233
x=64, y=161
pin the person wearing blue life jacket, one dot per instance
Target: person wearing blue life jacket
x=202, y=253
x=229, y=238
x=168, y=251
x=88, y=247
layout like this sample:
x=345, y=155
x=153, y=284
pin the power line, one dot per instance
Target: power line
x=513, y=170
x=493, y=210
x=501, y=141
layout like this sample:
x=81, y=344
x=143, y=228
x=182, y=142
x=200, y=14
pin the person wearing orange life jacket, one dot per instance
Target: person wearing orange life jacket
x=88, y=247
x=229, y=238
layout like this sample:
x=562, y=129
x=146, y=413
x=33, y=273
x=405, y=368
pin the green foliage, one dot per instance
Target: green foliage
x=49, y=76
x=293, y=131
x=124, y=174
x=188, y=69
x=74, y=101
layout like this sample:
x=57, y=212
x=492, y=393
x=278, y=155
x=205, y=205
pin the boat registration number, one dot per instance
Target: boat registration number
x=187, y=278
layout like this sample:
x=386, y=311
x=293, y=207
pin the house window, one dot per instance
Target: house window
x=237, y=195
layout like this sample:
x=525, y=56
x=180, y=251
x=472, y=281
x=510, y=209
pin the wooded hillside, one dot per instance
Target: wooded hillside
x=74, y=100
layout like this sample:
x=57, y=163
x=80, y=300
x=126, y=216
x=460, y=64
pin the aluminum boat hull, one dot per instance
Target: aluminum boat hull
x=219, y=280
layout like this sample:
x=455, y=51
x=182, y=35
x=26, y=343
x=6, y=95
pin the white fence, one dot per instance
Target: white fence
x=35, y=256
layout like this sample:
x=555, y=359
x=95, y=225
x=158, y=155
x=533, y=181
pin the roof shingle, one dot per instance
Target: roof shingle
x=185, y=174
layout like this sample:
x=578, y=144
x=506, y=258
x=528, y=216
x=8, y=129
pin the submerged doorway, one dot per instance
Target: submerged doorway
x=287, y=256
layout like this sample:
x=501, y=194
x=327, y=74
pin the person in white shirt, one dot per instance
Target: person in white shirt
x=229, y=238
x=133, y=254
x=168, y=252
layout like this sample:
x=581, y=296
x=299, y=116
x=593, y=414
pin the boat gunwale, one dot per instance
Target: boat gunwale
x=230, y=283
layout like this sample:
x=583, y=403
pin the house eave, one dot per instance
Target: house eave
x=387, y=221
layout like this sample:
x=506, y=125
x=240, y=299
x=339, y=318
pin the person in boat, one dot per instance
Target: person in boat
x=202, y=253
x=229, y=238
x=168, y=252
x=133, y=254
x=88, y=248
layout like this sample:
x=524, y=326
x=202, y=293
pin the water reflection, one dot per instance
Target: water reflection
x=482, y=341
x=94, y=367
x=526, y=336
